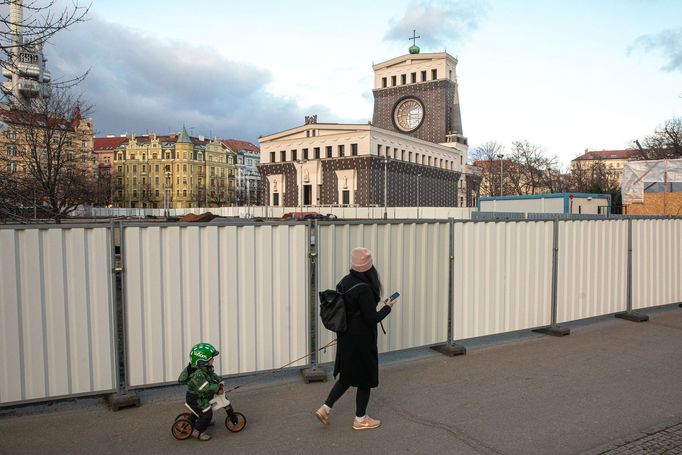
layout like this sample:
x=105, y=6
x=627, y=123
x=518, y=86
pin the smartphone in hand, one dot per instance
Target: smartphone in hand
x=393, y=296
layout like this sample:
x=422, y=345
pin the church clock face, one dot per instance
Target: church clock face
x=408, y=114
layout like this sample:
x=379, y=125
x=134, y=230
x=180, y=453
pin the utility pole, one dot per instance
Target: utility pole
x=501, y=156
x=385, y=184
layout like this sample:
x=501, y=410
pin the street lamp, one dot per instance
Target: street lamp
x=385, y=184
x=418, y=179
x=166, y=195
x=500, y=156
x=300, y=191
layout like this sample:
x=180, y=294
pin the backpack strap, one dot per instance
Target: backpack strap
x=354, y=286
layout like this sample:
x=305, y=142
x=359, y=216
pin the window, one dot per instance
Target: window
x=403, y=79
x=184, y=193
x=328, y=149
x=134, y=193
x=156, y=180
x=434, y=74
x=423, y=76
x=305, y=154
x=184, y=168
x=379, y=149
x=120, y=169
x=354, y=149
x=393, y=81
x=402, y=155
x=414, y=77
x=461, y=159
x=155, y=156
x=144, y=168
x=132, y=156
x=272, y=157
x=450, y=74
x=12, y=134
x=83, y=146
x=307, y=133
x=341, y=147
x=416, y=158
x=11, y=150
x=316, y=150
x=409, y=156
x=383, y=82
x=156, y=193
x=293, y=155
x=156, y=168
x=134, y=167
x=120, y=156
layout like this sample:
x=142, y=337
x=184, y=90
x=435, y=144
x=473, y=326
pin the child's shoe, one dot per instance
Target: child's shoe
x=366, y=423
x=201, y=436
x=322, y=415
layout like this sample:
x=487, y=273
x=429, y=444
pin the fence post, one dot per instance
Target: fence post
x=628, y=314
x=313, y=373
x=450, y=348
x=554, y=329
x=123, y=397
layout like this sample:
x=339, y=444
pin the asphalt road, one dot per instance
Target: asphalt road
x=519, y=394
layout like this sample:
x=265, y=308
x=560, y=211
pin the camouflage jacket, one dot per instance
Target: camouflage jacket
x=202, y=382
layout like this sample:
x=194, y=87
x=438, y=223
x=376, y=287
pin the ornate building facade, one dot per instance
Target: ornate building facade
x=173, y=171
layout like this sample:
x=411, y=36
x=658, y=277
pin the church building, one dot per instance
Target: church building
x=413, y=152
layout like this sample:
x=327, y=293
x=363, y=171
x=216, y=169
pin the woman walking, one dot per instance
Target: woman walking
x=357, y=355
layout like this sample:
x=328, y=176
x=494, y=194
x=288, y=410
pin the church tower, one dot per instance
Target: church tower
x=416, y=94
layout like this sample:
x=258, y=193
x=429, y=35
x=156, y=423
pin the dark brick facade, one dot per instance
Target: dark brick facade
x=441, y=115
x=409, y=184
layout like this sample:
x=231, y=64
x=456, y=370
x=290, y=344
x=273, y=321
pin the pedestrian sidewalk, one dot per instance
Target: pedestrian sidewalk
x=516, y=394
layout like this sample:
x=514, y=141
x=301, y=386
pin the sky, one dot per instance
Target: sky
x=565, y=75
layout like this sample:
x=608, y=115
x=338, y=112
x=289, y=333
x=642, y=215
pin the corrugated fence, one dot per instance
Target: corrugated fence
x=56, y=319
x=250, y=289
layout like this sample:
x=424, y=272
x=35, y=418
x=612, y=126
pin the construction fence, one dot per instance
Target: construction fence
x=95, y=309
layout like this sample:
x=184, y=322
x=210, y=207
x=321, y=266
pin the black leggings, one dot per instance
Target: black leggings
x=361, y=398
x=202, y=420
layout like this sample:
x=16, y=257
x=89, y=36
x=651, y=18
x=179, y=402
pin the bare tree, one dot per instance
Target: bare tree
x=48, y=156
x=531, y=170
x=665, y=143
x=488, y=156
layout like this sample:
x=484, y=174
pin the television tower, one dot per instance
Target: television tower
x=27, y=77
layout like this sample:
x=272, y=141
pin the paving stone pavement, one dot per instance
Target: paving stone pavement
x=662, y=440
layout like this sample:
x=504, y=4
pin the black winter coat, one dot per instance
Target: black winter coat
x=357, y=355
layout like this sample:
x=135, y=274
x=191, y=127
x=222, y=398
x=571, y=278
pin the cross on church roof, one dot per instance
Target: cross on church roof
x=414, y=37
x=414, y=49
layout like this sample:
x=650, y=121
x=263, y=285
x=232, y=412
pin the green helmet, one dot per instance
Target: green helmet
x=201, y=353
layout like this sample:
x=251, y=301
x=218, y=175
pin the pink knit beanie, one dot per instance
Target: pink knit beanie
x=360, y=259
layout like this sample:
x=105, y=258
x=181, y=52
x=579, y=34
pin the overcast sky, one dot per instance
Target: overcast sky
x=566, y=75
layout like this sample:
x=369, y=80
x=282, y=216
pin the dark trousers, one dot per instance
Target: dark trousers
x=361, y=397
x=201, y=422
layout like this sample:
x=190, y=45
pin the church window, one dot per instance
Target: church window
x=317, y=153
x=283, y=156
x=424, y=159
x=341, y=147
x=402, y=155
x=423, y=76
x=305, y=154
x=272, y=157
x=379, y=149
x=434, y=74
x=294, y=155
x=430, y=161
x=414, y=77
x=383, y=82
x=328, y=149
x=450, y=74
x=393, y=81
x=354, y=149
x=409, y=156
x=416, y=158
x=461, y=159
x=403, y=79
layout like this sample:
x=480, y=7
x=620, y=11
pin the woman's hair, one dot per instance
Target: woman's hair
x=374, y=281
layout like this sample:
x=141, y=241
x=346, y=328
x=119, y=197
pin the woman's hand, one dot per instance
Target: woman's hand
x=390, y=303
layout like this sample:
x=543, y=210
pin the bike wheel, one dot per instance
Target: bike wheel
x=184, y=415
x=238, y=424
x=182, y=429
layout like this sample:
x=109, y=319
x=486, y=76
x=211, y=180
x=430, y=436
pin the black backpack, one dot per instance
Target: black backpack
x=333, y=309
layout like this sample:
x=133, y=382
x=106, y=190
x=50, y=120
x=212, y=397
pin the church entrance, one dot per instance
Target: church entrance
x=345, y=195
x=307, y=195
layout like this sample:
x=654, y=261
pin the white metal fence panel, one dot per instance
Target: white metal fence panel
x=411, y=258
x=592, y=273
x=503, y=277
x=56, y=317
x=656, y=262
x=242, y=288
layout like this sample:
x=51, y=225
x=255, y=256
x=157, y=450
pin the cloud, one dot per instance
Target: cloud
x=668, y=42
x=439, y=23
x=138, y=83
